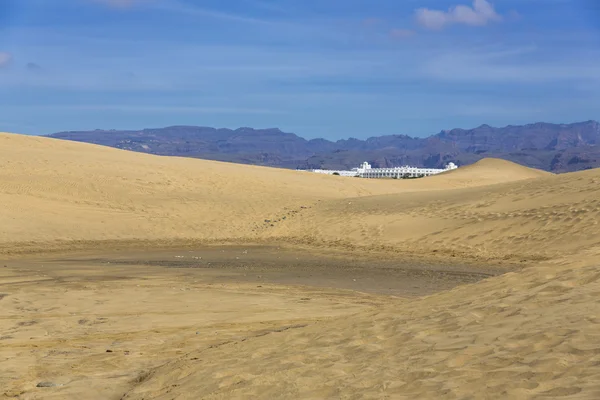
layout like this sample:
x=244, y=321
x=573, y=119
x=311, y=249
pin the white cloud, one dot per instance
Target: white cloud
x=5, y=59
x=481, y=13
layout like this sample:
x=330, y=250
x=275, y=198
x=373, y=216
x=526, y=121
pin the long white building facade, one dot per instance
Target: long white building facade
x=366, y=171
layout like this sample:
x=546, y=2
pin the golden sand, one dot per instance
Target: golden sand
x=531, y=333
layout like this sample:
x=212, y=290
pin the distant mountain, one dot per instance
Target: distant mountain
x=552, y=147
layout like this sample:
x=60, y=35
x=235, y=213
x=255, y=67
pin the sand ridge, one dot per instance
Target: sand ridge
x=119, y=196
x=531, y=333
x=533, y=219
x=519, y=336
x=113, y=194
x=485, y=172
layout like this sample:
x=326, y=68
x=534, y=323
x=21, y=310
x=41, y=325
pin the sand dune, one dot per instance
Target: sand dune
x=531, y=333
x=109, y=194
x=53, y=190
x=519, y=336
x=532, y=219
x=485, y=172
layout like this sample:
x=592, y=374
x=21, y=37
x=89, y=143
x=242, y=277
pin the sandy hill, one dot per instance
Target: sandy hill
x=53, y=190
x=58, y=191
x=526, y=334
x=530, y=219
x=485, y=172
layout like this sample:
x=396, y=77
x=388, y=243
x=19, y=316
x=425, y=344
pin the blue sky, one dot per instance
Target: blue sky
x=318, y=68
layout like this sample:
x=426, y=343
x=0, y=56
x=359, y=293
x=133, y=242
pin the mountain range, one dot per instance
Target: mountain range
x=551, y=147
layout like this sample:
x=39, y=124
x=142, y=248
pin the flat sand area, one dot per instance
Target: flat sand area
x=131, y=276
x=94, y=324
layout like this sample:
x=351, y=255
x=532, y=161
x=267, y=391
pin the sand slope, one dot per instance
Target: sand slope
x=59, y=191
x=521, y=336
x=485, y=172
x=532, y=219
x=526, y=334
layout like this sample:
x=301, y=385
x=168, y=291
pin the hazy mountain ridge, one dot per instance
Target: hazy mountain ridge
x=553, y=147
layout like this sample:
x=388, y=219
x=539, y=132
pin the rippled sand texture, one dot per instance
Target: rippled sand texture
x=530, y=333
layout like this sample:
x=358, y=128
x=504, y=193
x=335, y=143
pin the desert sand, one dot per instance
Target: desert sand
x=482, y=282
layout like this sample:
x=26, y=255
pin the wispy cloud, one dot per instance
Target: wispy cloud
x=272, y=6
x=518, y=65
x=182, y=7
x=193, y=10
x=5, y=59
x=481, y=13
x=160, y=109
x=33, y=67
x=118, y=3
x=372, y=21
x=495, y=109
x=401, y=33
x=183, y=67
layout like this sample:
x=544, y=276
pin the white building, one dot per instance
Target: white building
x=366, y=171
x=335, y=172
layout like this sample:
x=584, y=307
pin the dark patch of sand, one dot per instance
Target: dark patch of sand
x=286, y=266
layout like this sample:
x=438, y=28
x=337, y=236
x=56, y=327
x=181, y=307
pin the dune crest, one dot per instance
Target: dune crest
x=488, y=171
x=84, y=193
x=61, y=194
x=54, y=190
